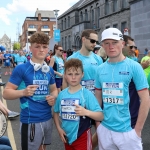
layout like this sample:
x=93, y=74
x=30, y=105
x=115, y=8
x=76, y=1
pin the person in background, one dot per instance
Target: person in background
x=146, y=51
x=102, y=54
x=69, y=52
x=20, y=59
x=96, y=49
x=7, y=63
x=14, y=55
x=57, y=63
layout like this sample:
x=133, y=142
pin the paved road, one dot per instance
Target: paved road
x=14, y=135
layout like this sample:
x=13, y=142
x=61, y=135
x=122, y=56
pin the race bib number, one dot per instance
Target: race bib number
x=113, y=93
x=113, y=100
x=89, y=84
x=7, y=61
x=67, y=109
x=60, y=66
x=20, y=63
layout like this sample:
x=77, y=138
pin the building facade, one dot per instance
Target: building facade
x=92, y=14
x=140, y=23
x=43, y=21
x=6, y=42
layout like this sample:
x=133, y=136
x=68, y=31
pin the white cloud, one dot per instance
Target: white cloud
x=4, y=15
x=32, y=5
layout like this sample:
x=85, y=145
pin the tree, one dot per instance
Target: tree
x=16, y=46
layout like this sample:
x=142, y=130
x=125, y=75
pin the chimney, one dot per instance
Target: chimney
x=39, y=16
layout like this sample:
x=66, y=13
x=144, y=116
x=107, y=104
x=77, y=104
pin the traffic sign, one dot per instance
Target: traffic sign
x=57, y=35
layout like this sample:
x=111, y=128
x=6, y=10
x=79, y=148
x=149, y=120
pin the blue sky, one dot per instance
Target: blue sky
x=14, y=12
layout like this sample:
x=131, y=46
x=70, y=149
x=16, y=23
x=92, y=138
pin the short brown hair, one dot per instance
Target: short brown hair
x=39, y=38
x=87, y=32
x=73, y=63
x=126, y=38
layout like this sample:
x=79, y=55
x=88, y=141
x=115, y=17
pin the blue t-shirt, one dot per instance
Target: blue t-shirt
x=59, y=65
x=90, y=65
x=20, y=59
x=119, y=83
x=7, y=58
x=14, y=56
x=73, y=125
x=34, y=108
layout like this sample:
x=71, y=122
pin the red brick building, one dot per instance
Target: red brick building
x=43, y=21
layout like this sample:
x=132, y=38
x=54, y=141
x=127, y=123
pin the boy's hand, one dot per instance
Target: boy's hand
x=29, y=91
x=62, y=135
x=50, y=99
x=79, y=110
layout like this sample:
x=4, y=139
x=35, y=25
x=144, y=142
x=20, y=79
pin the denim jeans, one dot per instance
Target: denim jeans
x=5, y=143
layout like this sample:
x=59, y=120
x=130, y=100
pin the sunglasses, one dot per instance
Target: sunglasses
x=93, y=41
x=132, y=47
x=60, y=50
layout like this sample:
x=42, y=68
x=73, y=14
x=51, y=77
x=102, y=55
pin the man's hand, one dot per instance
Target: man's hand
x=50, y=99
x=29, y=91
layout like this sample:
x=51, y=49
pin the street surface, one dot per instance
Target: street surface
x=14, y=124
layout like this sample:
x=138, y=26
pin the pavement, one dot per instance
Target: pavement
x=14, y=125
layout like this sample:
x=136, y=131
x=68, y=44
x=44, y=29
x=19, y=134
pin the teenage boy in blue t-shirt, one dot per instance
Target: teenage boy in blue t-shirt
x=117, y=80
x=77, y=106
x=36, y=97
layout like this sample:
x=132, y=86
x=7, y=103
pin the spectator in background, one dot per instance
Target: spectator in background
x=20, y=59
x=146, y=51
x=130, y=47
x=96, y=49
x=7, y=58
x=57, y=63
x=69, y=52
x=102, y=54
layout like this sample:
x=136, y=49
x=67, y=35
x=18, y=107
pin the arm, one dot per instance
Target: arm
x=11, y=92
x=143, y=111
x=64, y=83
x=81, y=111
x=60, y=130
x=52, y=62
x=98, y=95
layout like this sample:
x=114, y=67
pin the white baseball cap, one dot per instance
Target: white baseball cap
x=112, y=33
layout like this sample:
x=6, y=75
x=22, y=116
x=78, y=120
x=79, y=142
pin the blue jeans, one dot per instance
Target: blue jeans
x=5, y=143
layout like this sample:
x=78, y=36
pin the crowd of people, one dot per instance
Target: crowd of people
x=102, y=86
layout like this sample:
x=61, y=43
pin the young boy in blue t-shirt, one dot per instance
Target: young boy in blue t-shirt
x=76, y=106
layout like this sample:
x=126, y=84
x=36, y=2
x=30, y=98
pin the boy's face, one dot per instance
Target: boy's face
x=73, y=76
x=39, y=51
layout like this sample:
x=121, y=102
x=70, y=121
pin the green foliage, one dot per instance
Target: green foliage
x=16, y=46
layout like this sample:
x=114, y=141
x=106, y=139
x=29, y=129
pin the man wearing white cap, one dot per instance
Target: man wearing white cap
x=124, y=117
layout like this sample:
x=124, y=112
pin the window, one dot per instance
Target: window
x=81, y=16
x=123, y=26
x=114, y=5
x=68, y=21
x=123, y=3
x=46, y=32
x=107, y=27
x=65, y=24
x=45, y=27
x=62, y=42
x=86, y=15
x=32, y=26
x=115, y=26
x=62, y=24
x=65, y=43
x=106, y=7
x=69, y=42
x=98, y=15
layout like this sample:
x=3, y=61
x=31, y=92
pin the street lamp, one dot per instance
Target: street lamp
x=56, y=14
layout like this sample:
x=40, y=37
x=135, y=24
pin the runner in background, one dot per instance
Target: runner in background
x=57, y=63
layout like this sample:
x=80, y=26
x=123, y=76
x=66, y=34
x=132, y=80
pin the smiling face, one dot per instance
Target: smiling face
x=39, y=51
